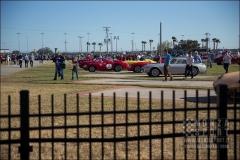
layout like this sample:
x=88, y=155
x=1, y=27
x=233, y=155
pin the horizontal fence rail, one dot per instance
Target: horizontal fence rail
x=123, y=139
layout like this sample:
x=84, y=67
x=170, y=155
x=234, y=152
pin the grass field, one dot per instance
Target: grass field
x=39, y=81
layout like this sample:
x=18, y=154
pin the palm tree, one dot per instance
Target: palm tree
x=94, y=43
x=174, y=40
x=217, y=41
x=214, y=41
x=100, y=44
x=87, y=46
x=144, y=43
x=203, y=40
x=150, y=42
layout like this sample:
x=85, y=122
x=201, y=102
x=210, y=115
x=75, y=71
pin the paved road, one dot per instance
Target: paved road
x=12, y=69
x=132, y=90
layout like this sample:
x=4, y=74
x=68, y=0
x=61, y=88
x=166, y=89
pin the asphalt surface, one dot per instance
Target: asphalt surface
x=132, y=91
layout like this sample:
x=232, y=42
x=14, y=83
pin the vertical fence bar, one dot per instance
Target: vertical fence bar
x=65, y=125
x=185, y=117
x=24, y=112
x=235, y=124
x=208, y=124
x=150, y=127
x=39, y=125
x=78, y=147
x=197, y=124
x=126, y=144
x=138, y=114
x=102, y=108
x=9, y=126
x=114, y=124
x=162, y=147
x=52, y=116
x=173, y=140
x=90, y=123
x=222, y=115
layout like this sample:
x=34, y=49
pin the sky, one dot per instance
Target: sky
x=181, y=19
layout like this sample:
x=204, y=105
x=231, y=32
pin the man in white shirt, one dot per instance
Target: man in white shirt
x=189, y=63
x=226, y=61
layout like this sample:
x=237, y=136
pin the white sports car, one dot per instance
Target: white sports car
x=177, y=66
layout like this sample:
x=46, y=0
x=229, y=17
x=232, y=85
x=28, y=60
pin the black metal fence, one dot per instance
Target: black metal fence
x=213, y=133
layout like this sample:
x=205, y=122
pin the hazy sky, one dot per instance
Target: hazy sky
x=77, y=18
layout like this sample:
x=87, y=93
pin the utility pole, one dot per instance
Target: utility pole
x=132, y=42
x=27, y=44
x=65, y=44
x=111, y=44
x=160, y=35
x=80, y=45
x=107, y=40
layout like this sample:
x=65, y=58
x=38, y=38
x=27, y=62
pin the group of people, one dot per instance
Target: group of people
x=60, y=65
x=18, y=59
x=189, y=63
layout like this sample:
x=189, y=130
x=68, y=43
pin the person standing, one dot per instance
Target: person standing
x=166, y=66
x=20, y=58
x=197, y=58
x=59, y=61
x=75, y=68
x=26, y=58
x=31, y=58
x=226, y=61
x=189, y=65
x=14, y=59
x=7, y=59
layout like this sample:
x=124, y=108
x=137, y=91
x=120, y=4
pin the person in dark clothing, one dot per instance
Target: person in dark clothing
x=59, y=61
x=20, y=59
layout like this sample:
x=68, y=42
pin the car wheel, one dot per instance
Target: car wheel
x=91, y=69
x=118, y=68
x=195, y=71
x=154, y=72
x=218, y=63
x=137, y=69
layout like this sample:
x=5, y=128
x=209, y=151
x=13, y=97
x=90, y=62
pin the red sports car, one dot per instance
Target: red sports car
x=103, y=64
x=137, y=67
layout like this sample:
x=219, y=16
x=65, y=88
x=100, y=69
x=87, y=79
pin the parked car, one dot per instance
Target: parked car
x=219, y=60
x=137, y=66
x=141, y=60
x=103, y=64
x=82, y=62
x=232, y=80
x=162, y=58
x=177, y=66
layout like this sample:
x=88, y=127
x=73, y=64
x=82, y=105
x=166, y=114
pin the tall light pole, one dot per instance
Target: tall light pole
x=107, y=40
x=65, y=43
x=88, y=41
x=80, y=44
x=42, y=44
x=18, y=43
x=132, y=42
x=117, y=38
x=111, y=43
x=27, y=44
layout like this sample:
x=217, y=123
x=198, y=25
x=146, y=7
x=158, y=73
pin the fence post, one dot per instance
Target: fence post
x=24, y=148
x=222, y=122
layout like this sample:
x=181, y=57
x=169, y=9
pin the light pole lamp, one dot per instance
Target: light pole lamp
x=65, y=43
x=27, y=44
x=18, y=43
x=42, y=44
x=117, y=38
x=133, y=42
x=88, y=41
